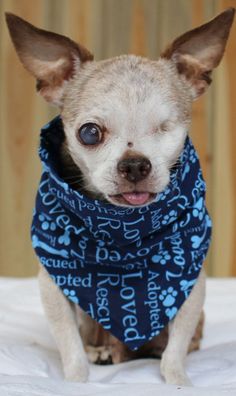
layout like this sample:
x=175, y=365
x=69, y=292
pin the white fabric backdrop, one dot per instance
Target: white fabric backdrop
x=30, y=364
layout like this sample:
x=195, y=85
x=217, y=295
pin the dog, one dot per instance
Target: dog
x=119, y=142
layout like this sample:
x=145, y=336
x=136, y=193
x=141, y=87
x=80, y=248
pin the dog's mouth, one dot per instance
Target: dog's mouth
x=134, y=198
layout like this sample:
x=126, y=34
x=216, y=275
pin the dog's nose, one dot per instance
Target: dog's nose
x=134, y=169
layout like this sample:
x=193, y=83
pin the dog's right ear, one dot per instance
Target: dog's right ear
x=197, y=52
x=51, y=58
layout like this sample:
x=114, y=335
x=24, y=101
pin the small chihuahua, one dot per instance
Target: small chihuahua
x=121, y=147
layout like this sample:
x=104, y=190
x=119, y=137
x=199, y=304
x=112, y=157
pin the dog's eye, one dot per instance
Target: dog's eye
x=90, y=134
x=164, y=127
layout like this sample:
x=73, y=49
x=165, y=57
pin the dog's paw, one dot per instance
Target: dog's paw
x=174, y=373
x=77, y=371
x=177, y=378
x=99, y=355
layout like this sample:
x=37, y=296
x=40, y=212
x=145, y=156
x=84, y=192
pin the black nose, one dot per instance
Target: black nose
x=134, y=169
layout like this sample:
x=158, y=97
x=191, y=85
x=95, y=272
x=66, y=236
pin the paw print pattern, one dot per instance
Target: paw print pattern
x=71, y=295
x=171, y=312
x=161, y=258
x=164, y=194
x=186, y=286
x=46, y=223
x=199, y=210
x=64, y=239
x=170, y=217
x=168, y=297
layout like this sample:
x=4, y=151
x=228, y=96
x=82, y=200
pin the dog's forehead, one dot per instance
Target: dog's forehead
x=122, y=87
x=127, y=72
x=130, y=77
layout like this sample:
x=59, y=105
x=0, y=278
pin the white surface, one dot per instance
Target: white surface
x=30, y=364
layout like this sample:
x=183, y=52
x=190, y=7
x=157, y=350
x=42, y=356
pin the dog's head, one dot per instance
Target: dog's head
x=125, y=118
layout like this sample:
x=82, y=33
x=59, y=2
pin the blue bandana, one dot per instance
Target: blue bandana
x=130, y=269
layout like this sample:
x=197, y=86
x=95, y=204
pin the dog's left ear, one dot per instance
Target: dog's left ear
x=197, y=52
x=53, y=59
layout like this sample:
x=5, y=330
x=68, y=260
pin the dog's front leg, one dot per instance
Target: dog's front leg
x=181, y=331
x=63, y=325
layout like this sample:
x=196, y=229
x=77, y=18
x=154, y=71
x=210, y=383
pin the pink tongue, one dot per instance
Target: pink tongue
x=136, y=198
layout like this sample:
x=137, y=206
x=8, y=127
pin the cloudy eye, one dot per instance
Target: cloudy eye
x=90, y=134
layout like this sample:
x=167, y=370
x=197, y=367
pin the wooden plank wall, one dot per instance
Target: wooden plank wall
x=109, y=28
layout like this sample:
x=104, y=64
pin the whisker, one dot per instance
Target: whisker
x=69, y=177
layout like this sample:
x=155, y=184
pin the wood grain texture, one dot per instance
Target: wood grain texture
x=230, y=86
x=18, y=159
x=199, y=130
x=109, y=28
